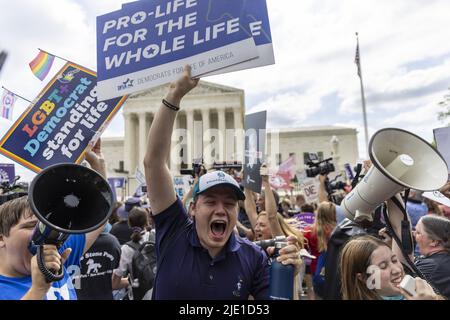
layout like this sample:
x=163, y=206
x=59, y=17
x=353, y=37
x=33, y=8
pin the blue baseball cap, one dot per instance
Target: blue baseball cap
x=217, y=178
x=125, y=209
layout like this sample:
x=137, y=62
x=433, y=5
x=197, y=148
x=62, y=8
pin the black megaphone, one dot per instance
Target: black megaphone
x=66, y=199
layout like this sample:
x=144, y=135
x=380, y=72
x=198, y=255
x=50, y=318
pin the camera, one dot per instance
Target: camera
x=225, y=166
x=264, y=244
x=12, y=190
x=336, y=185
x=198, y=169
x=316, y=167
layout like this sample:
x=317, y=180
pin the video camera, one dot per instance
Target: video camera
x=198, y=168
x=12, y=190
x=227, y=166
x=264, y=244
x=316, y=167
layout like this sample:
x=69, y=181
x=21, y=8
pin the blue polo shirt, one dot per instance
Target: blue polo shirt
x=187, y=271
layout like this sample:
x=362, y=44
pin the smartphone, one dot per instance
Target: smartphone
x=409, y=285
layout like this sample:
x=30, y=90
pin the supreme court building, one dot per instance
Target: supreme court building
x=210, y=125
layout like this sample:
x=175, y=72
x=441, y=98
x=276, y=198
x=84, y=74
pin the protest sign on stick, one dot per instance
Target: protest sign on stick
x=147, y=44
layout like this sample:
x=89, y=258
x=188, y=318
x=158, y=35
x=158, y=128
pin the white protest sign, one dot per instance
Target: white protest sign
x=140, y=176
x=437, y=196
x=442, y=137
x=257, y=21
x=181, y=185
x=310, y=188
x=147, y=44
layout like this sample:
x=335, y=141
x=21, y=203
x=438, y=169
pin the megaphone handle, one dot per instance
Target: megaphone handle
x=48, y=274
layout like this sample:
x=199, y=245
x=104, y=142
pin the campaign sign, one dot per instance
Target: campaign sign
x=117, y=182
x=306, y=218
x=63, y=123
x=140, y=176
x=310, y=188
x=255, y=141
x=181, y=185
x=256, y=23
x=148, y=43
x=7, y=172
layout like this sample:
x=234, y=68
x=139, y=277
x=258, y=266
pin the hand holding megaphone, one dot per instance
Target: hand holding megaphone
x=67, y=199
x=53, y=261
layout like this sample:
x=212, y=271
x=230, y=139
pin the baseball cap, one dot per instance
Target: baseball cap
x=217, y=178
x=125, y=209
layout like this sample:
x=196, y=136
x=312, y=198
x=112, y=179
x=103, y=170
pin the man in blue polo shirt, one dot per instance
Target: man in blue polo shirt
x=203, y=258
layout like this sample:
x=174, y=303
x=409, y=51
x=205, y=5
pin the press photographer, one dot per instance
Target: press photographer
x=198, y=169
x=323, y=169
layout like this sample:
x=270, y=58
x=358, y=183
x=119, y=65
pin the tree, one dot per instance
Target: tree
x=443, y=115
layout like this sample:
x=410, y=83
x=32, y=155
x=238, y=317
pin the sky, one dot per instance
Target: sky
x=404, y=48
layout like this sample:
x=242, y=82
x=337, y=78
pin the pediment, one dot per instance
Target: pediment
x=203, y=88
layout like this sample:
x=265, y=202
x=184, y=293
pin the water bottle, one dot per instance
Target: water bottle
x=281, y=277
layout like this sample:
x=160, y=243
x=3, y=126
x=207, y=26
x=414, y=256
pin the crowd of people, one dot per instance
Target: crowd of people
x=209, y=245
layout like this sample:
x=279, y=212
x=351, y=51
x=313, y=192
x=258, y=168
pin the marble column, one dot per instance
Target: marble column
x=239, y=134
x=206, y=137
x=142, y=138
x=189, y=135
x=222, y=128
x=129, y=143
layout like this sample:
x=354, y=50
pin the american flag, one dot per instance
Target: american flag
x=357, y=59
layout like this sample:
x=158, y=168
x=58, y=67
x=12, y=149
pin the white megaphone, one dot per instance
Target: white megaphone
x=401, y=160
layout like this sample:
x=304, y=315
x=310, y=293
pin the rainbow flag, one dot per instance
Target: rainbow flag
x=41, y=64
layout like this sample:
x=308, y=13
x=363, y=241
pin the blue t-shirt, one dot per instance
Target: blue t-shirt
x=16, y=288
x=187, y=271
x=416, y=211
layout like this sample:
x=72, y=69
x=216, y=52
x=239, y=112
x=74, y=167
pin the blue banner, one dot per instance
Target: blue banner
x=64, y=120
x=116, y=182
x=147, y=43
x=7, y=172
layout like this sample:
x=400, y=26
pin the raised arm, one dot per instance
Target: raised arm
x=159, y=181
x=97, y=162
x=323, y=194
x=271, y=205
x=396, y=217
x=250, y=207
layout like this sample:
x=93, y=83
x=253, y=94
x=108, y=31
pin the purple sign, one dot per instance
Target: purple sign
x=306, y=218
x=116, y=182
x=7, y=172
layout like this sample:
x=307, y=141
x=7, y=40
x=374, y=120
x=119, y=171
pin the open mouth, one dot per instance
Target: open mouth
x=396, y=281
x=218, y=228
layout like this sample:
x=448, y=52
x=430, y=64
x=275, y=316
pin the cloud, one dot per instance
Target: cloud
x=404, y=55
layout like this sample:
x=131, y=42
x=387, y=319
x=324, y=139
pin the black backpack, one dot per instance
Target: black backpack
x=143, y=268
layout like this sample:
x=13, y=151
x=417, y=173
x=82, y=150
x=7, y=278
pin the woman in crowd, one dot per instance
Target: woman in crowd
x=319, y=233
x=138, y=222
x=370, y=270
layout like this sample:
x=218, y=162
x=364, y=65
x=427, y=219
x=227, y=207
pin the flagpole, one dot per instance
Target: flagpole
x=53, y=55
x=363, y=99
x=17, y=95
